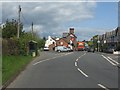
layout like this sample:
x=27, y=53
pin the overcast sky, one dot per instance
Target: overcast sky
x=54, y=18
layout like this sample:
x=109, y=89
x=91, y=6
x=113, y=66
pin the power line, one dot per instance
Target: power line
x=24, y=18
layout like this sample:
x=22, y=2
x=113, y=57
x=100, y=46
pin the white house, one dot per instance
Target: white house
x=49, y=41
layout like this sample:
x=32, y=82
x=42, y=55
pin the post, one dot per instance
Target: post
x=98, y=43
x=32, y=30
x=18, y=29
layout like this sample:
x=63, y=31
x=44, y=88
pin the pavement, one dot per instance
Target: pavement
x=77, y=69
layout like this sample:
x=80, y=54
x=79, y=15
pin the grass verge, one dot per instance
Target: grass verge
x=12, y=65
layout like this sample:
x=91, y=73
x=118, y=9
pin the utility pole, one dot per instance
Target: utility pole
x=18, y=29
x=32, y=30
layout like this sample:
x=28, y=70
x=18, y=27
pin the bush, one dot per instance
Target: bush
x=118, y=47
x=10, y=47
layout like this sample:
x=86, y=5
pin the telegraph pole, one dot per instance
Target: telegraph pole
x=18, y=29
x=32, y=30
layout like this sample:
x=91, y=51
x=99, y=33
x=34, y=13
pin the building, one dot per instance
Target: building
x=110, y=40
x=61, y=42
x=50, y=43
x=68, y=40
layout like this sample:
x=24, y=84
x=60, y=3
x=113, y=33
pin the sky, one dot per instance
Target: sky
x=55, y=18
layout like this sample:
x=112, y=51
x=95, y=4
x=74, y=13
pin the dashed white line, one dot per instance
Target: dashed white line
x=100, y=85
x=82, y=55
x=108, y=60
x=77, y=59
x=82, y=72
x=76, y=64
x=79, y=68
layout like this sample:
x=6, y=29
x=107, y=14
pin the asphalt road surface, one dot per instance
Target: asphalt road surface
x=69, y=70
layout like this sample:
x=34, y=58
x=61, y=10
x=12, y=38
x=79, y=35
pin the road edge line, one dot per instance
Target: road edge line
x=102, y=86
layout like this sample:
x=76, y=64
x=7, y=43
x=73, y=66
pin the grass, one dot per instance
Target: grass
x=12, y=64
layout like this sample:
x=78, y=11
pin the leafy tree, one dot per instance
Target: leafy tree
x=95, y=39
x=44, y=38
x=9, y=32
x=10, y=29
x=90, y=43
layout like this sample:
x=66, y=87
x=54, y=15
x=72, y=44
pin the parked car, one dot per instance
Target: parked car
x=62, y=49
x=46, y=49
x=109, y=50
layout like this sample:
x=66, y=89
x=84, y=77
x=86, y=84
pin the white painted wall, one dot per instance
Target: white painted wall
x=49, y=41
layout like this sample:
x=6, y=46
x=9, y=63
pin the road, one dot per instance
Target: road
x=69, y=70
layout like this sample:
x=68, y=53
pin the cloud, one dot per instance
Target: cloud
x=49, y=18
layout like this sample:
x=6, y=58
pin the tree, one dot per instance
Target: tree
x=44, y=38
x=10, y=29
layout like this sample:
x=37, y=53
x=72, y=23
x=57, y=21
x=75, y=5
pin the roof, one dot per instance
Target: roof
x=62, y=39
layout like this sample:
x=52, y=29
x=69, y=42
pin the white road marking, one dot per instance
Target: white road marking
x=82, y=55
x=113, y=60
x=51, y=58
x=82, y=72
x=76, y=64
x=100, y=85
x=108, y=60
x=79, y=68
x=77, y=59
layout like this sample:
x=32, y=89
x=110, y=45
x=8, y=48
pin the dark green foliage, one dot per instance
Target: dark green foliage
x=118, y=47
x=12, y=45
x=10, y=29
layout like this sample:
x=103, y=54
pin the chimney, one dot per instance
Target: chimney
x=71, y=30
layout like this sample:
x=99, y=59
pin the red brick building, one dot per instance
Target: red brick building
x=71, y=38
x=68, y=40
x=61, y=42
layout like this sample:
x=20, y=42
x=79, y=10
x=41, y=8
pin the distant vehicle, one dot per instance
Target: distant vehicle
x=109, y=50
x=80, y=46
x=62, y=49
x=46, y=49
x=91, y=50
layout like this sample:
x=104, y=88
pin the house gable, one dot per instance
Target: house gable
x=61, y=42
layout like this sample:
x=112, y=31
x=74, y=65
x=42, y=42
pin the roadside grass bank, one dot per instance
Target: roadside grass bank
x=11, y=65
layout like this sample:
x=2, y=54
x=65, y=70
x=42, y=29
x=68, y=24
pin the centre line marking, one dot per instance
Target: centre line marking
x=76, y=64
x=76, y=59
x=100, y=85
x=79, y=68
x=82, y=72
